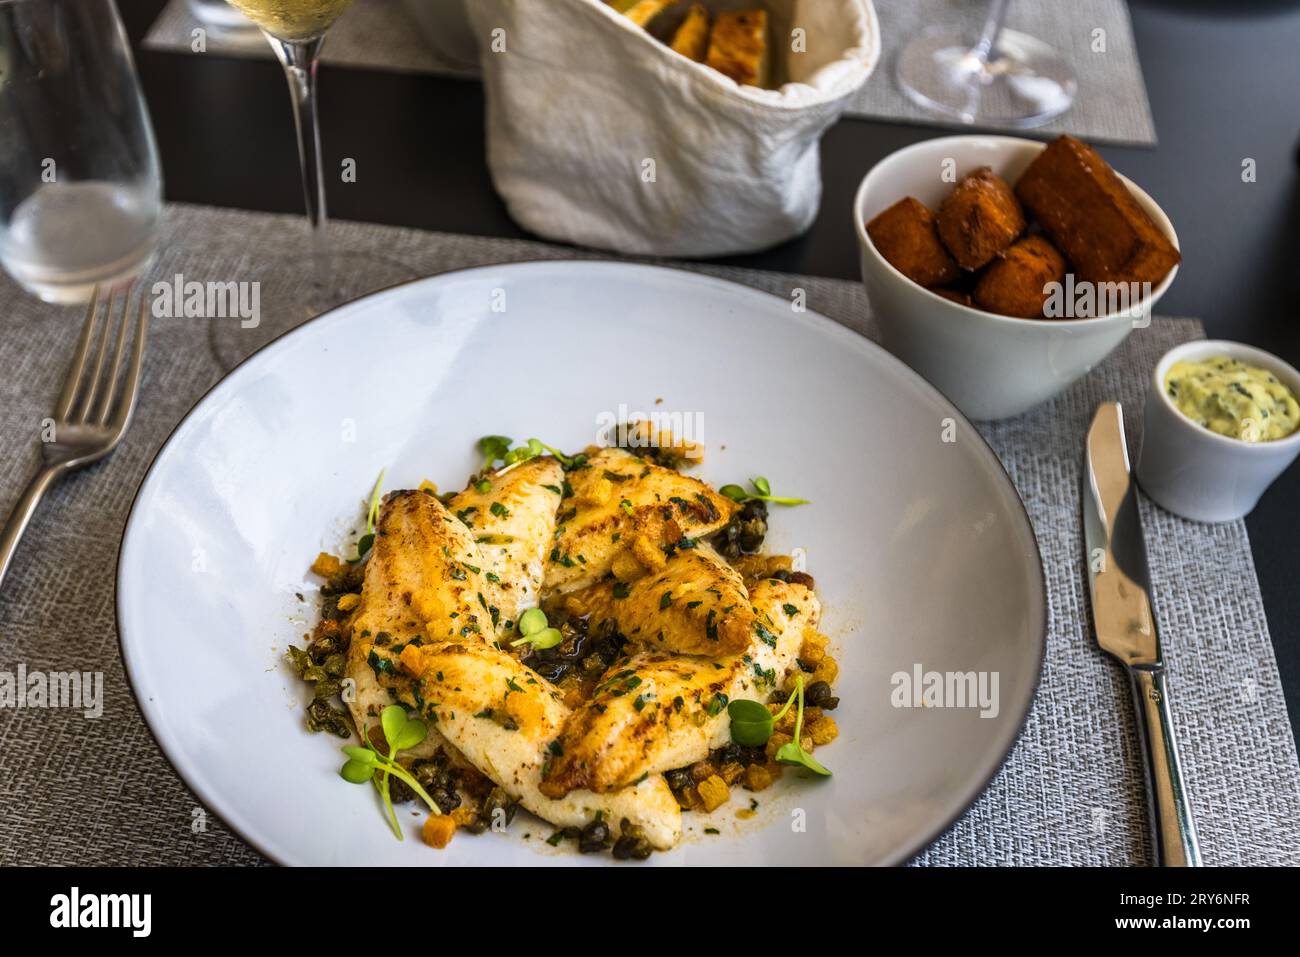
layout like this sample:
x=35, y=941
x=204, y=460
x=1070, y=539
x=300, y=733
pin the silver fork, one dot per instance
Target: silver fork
x=94, y=407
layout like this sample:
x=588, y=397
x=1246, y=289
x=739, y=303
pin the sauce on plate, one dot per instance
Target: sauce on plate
x=1232, y=398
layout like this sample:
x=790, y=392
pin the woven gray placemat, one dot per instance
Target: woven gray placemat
x=74, y=790
x=1096, y=35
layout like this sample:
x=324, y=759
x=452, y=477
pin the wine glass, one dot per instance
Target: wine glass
x=296, y=31
x=1002, y=78
x=80, y=185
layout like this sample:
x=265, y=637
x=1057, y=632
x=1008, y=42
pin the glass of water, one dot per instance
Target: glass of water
x=80, y=187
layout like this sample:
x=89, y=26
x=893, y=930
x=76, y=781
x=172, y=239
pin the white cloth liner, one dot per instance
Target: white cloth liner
x=601, y=135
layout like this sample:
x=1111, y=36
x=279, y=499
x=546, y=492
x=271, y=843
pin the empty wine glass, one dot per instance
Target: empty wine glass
x=1000, y=78
x=80, y=188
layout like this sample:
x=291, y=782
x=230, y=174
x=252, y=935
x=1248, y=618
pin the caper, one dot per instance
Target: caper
x=594, y=837
x=447, y=799
x=818, y=695
x=679, y=779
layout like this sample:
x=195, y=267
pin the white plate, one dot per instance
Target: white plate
x=921, y=548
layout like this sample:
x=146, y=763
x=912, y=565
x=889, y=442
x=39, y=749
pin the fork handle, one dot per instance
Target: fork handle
x=22, y=514
x=1173, y=832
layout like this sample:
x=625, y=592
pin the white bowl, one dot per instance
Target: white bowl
x=990, y=366
x=1200, y=474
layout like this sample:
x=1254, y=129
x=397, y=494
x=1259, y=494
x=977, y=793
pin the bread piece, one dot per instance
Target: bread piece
x=692, y=38
x=1092, y=217
x=643, y=11
x=907, y=236
x=1013, y=285
x=980, y=218
x=738, y=46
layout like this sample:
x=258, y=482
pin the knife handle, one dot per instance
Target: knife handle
x=1173, y=832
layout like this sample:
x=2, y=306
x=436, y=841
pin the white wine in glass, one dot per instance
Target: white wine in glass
x=293, y=19
x=296, y=31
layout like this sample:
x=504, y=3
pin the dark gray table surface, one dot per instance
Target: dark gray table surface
x=1224, y=85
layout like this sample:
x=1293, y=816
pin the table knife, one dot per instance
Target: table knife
x=1119, y=586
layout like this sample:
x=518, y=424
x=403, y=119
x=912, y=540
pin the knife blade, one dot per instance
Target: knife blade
x=1124, y=622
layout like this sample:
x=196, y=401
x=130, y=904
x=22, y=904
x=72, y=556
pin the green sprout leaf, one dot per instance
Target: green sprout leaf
x=792, y=753
x=532, y=621
x=762, y=492
x=365, y=763
x=493, y=448
x=357, y=772
x=393, y=721
x=372, y=515
x=534, y=630
x=365, y=542
x=751, y=723
x=546, y=638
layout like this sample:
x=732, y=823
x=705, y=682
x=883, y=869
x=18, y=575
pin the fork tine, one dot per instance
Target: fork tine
x=117, y=294
x=131, y=385
x=69, y=392
x=110, y=388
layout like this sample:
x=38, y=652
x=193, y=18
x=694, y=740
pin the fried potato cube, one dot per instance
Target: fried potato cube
x=464, y=816
x=1015, y=285
x=703, y=770
x=731, y=772
x=907, y=235
x=980, y=218
x=775, y=743
x=626, y=566
x=648, y=554
x=814, y=645
x=643, y=11
x=738, y=47
x=759, y=777
x=692, y=38
x=1092, y=217
x=828, y=669
x=326, y=565
x=597, y=493
x=438, y=829
x=713, y=792
x=824, y=730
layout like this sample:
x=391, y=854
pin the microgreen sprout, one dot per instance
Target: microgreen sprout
x=762, y=492
x=496, y=448
x=536, y=631
x=752, y=726
x=372, y=517
x=792, y=752
x=365, y=763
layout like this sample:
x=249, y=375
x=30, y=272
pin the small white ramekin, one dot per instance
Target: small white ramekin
x=1200, y=474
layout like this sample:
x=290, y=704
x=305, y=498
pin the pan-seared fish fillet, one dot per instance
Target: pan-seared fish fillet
x=654, y=712
x=696, y=606
x=513, y=523
x=502, y=716
x=620, y=500
x=423, y=581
